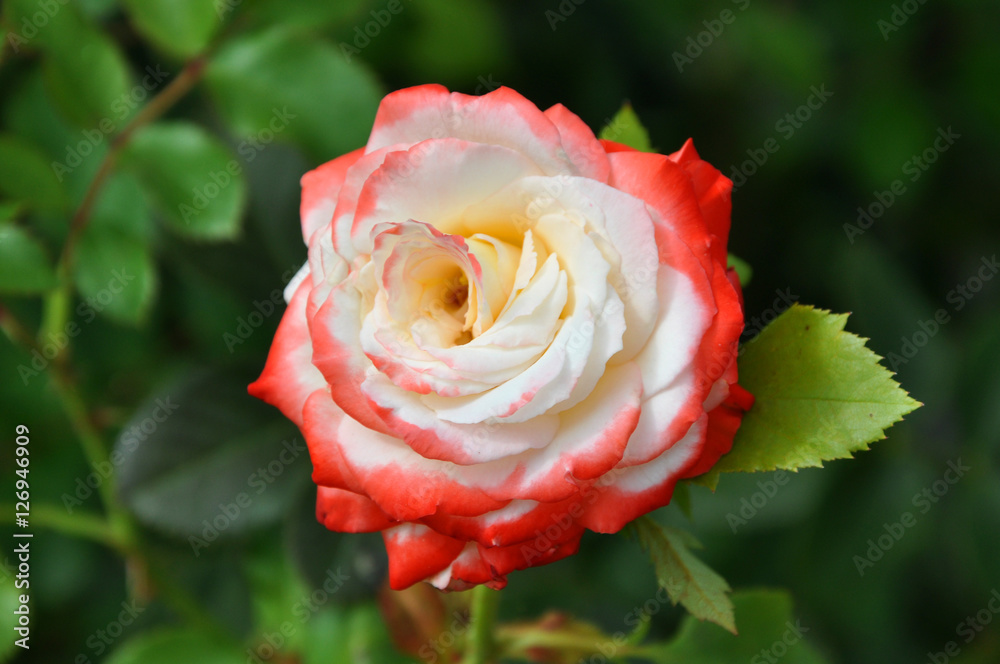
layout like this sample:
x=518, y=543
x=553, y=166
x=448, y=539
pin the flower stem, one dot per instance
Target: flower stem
x=159, y=105
x=479, y=647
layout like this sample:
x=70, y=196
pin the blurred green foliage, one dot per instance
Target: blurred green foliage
x=170, y=293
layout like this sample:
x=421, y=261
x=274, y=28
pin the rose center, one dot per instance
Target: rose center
x=457, y=295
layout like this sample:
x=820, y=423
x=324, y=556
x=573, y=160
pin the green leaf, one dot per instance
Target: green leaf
x=768, y=632
x=85, y=72
x=24, y=266
x=115, y=274
x=192, y=178
x=277, y=592
x=202, y=459
x=280, y=85
x=30, y=114
x=25, y=176
x=625, y=128
x=169, y=646
x=179, y=27
x=121, y=206
x=686, y=579
x=9, y=212
x=743, y=269
x=820, y=395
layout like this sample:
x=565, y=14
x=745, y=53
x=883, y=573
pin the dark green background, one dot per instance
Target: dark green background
x=892, y=91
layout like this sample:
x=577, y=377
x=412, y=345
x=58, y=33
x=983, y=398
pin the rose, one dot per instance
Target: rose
x=507, y=332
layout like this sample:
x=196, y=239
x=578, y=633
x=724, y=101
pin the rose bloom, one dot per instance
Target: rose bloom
x=507, y=332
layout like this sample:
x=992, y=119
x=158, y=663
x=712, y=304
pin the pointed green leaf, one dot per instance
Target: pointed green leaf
x=686, y=579
x=179, y=27
x=278, y=84
x=116, y=275
x=85, y=71
x=820, y=395
x=768, y=633
x=625, y=128
x=192, y=178
x=203, y=459
x=121, y=206
x=24, y=266
x=26, y=176
x=168, y=646
x=743, y=269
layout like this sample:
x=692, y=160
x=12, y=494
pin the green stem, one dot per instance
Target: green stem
x=118, y=530
x=90, y=439
x=15, y=330
x=160, y=104
x=517, y=641
x=81, y=524
x=480, y=646
x=58, y=302
x=95, y=528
